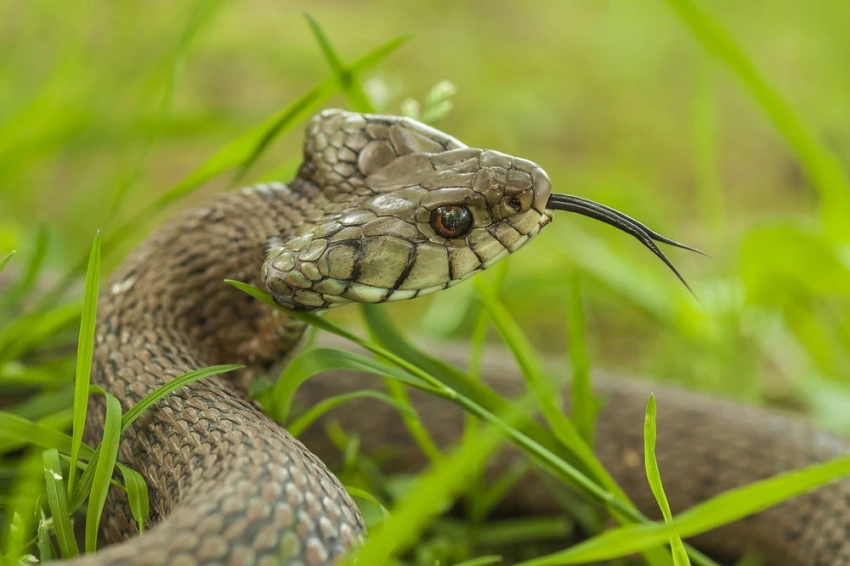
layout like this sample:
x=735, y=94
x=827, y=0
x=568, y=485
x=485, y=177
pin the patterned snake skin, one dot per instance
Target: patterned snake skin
x=383, y=208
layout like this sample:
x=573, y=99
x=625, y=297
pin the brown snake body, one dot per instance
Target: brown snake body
x=382, y=209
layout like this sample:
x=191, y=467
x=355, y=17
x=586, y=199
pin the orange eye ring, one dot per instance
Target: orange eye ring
x=451, y=221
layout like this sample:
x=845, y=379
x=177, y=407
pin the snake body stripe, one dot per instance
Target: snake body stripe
x=383, y=208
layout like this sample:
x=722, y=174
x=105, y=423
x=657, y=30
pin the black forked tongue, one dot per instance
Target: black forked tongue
x=617, y=219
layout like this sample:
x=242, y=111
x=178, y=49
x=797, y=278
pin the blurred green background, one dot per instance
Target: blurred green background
x=617, y=99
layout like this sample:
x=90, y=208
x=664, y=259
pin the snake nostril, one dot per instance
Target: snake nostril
x=515, y=204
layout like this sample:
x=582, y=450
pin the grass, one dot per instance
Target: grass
x=774, y=313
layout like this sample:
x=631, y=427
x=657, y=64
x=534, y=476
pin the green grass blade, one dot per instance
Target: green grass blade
x=722, y=509
x=583, y=402
x=103, y=470
x=137, y=495
x=309, y=363
x=347, y=80
x=58, y=421
x=6, y=258
x=85, y=350
x=19, y=429
x=57, y=500
x=821, y=164
x=84, y=485
x=166, y=388
x=300, y=424
x=254, y=143
x=653, y=475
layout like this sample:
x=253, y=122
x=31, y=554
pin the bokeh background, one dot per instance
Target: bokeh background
x=619, y=100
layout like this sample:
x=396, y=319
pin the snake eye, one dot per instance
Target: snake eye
x=451, y=221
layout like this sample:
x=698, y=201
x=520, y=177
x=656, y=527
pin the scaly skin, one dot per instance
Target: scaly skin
x=229, y=486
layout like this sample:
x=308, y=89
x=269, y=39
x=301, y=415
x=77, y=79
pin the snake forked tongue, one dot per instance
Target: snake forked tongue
x=615, y=218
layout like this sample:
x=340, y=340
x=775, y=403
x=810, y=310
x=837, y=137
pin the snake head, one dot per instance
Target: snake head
x=408, y=211
x=399, y=209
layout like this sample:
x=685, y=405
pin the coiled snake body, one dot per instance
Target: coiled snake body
x=383, y=208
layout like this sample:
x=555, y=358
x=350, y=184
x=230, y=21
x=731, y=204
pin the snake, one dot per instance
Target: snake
x=382, y=208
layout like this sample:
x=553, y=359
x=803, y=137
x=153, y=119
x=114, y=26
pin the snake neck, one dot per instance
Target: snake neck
x=169, y=304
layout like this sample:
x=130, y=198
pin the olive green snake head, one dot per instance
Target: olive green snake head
x=409, y=211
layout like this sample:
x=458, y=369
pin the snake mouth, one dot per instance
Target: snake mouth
x=615, y=218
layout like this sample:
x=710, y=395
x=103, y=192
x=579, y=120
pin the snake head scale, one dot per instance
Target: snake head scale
x=407, y=210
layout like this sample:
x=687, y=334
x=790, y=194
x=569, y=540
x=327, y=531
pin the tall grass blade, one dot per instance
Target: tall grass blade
x=347, y=80
x=653, y=475
x=57, y=500
x=104, y=467
x=85, y=350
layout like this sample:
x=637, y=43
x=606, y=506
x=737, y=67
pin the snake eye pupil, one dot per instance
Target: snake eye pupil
x=451, y=221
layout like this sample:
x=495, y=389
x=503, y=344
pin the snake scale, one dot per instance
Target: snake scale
x=382, y=208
